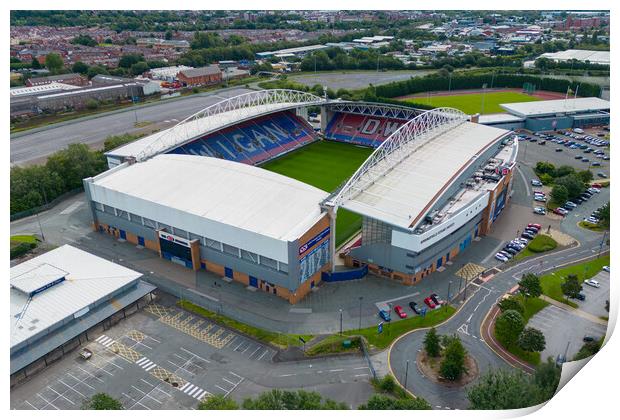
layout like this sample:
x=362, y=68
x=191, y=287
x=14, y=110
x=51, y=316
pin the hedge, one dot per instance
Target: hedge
x=21, y=249
x=542, y=243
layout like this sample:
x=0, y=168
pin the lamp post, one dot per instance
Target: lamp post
x=406, y=372
x=340, y=321
x=600, y=248
x=361, y=298
x=40, y=227
x=449, y=285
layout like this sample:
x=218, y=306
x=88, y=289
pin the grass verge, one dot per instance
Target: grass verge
x=22, y=244
x=393, y=330
x=551, y=283
x=591, y=226
x=334, y=344
x=270, y=337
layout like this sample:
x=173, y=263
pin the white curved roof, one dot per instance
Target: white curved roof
x=231, y=193
x=408, y=190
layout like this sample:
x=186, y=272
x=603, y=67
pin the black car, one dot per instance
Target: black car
x=588, y=338
x=414, y=307
x=584, y=197
x=581, y=296
x=435, y=298
x=577, y=200
x=542, y=143
x=510, y=250
x=527, y=236
x=558, y=150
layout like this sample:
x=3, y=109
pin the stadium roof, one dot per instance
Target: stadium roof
x=228, y=192
x=498, y=118
x=594, y=57
x=409, y=189
x=556, y=106
x=87, y=280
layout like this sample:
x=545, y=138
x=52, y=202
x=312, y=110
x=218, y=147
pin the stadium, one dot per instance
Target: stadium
x=253, y=191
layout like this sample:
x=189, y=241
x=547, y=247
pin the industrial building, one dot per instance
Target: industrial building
x=63, y=298
x=239, y=221
x=550, y=115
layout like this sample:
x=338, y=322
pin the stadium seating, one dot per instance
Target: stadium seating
x=254, y=141
x=360, y=129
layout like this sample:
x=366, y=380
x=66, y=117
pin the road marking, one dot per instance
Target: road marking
x=225, y=390
x=336, y=370
x=49, y=403
x=266, y=351
x=27, y=402
x=73, y=207
x=99, y=368
x=287, y=375
x=361, y=367
x=362, y=374
x=81, y=381
x=463, y=329
x=72, y=388
x=60, y=395
x=230, y=382
x=136, y=402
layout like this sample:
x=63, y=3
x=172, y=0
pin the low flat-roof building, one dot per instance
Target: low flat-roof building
x=209, y=75
x=58, y=297
x=594, y=57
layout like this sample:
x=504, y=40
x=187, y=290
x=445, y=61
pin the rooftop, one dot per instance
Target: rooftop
x=556, y=106
x=408, y=190
x=231, y=193
x=87, y=279
x=201, y=71
x=594, y=57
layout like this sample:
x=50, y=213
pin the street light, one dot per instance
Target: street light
x=360, y=325
x=406, y=373
x=340, y=321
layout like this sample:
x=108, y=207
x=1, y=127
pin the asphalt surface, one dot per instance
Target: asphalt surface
x=215, y=360
x=356, y=80
x=36, y=144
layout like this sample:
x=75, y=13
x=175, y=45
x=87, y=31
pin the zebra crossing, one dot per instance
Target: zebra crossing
x=194, y=391
x=145, y=364
x=105, y=341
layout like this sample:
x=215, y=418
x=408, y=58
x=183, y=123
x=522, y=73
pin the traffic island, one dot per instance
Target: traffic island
x=430, y=367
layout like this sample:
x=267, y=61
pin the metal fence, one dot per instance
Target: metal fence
x=30, y=212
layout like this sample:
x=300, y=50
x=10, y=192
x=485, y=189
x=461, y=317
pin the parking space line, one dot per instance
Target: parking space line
x=99, y=368
x=28, y=402
x=90, y=374
x=195, y=355
x=114, y=364
x=146, y=394
x=179, y=367
x=72, y=388
x=48, y=402
x=240, y=344
x=60, y=395
x=144, y=345
x=232, y=341
x=257, y=349
x=148, y=383
x=225, y=390
x=230, y=382
x=136, y=402
x=233, y=373
x=80, y=381
x=262, y=355
x=246, y=349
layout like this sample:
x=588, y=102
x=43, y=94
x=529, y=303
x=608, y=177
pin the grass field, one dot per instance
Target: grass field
x=472, y=103
x=325, y=165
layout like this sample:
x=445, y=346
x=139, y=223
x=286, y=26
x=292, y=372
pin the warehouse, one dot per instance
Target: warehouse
x=239, y=221
x=61, y=299
x=560, y=113
x=591, y=56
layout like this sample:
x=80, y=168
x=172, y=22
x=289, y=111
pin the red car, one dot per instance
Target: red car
x=429, y=302
x=596, y=185
x=536, y=225
x=558, y=211
x=399, y=310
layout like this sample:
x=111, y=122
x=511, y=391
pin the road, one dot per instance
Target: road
x=34, y=145
x=468, y=320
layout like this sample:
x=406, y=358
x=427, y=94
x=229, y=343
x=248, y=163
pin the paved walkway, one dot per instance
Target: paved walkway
x=576, y=311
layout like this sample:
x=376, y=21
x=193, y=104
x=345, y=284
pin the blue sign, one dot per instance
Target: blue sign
x=313, y=241
x=380, y=327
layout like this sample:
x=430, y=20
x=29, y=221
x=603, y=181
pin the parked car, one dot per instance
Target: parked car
x=578, y=157
x=581, y=296
x=429, y=302
x=586, y=160
x=527, y=235
x=536, y=183
x=540, y=210
x=385, y=315
x=588, y=338
x=436, y=299
x=540, y=198
x=606, y=268
x=602, y=174
x=569, y=205
x=501, y=257
x=562, y=211
x=596, y=163
x=414, y=307
x=558, y=211
x=505, y=254
x=596, y=185
x=399, y=311
x=510, y=250
x=577, y=200
x=537, y=226
x=593, y=283
x=558, y=149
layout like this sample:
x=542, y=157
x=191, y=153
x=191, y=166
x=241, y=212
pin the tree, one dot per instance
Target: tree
x=54, y=62
x=129, y=60
x=92, y=104
x=571, y=286
x=545, y=168
x=139, y=68
x=102, y=401
x=508, y=327
x=574, y=185
x=559, y=194
x=585, y=176
x=35, y=64
x=95, y=70
x=547, y=379
x=511, y=303
x=291, y=400
x=604, y=216
x=218, y=402
x=453, y=363
x=384, y=402
x=168, y=35
x=529, y=286
x=502, y=390
x=431, y=343
x=531, y=339
x=79, y=67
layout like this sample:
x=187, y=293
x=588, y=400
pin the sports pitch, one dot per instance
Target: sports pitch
x=325, y=165
x=472, y=103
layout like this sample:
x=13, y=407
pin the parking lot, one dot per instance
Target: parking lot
x=564, y=331
x=160, y=358
x=596, y=297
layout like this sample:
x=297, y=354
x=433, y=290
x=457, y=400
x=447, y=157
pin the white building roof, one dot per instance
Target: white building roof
x=556, y=106
x=498, y=118
x=88, y=278
x=594, y=57
x=50, y=87
x=231, y=193
x=410, y=188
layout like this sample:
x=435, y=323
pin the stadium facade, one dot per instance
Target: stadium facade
x=435, y=182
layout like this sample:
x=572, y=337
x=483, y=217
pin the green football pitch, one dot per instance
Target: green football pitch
x=325, y=165
x=472, y=103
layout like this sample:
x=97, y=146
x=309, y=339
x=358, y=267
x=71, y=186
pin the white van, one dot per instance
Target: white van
x=578, y=130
